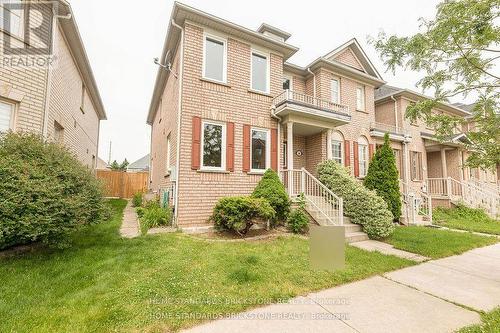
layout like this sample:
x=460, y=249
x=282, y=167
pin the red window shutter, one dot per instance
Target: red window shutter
x=371, y=151
x=246, y=148
x=356, y=159
x=274, y=149
x=230, y=147
x=195, y=152
x=347, y=153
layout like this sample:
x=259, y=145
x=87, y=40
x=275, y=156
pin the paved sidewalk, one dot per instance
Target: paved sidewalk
x=372, y=245
x=130, y=224
x=421, y=298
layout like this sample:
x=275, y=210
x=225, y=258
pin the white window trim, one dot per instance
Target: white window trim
x=20, y=34
x=338, y=90
x=341, y=150
x=268, y=149
x=268, y=71
x=223, y=154
x=289, y=77
x=224, y=60
x=363, y=98
x=13, y=115
x=169, y=148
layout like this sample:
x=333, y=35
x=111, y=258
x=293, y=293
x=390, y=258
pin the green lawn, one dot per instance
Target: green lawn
x=157, y=283
x=490, y=323
x=466, y=219
x=436, y=243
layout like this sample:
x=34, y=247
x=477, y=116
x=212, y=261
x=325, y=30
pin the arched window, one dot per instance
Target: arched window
x=337, y=147
x=363, y=156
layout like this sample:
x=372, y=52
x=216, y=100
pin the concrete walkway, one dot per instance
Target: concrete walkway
x=421, y=298
x=384, y=248
x=130, y=224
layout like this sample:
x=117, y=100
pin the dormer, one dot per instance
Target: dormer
x=273, y=32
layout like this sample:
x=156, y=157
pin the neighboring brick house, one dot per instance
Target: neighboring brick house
x=60, y=102
x=227, y=106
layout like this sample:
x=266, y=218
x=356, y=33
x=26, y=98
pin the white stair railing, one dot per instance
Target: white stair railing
x=327, y=203
x=467, y=192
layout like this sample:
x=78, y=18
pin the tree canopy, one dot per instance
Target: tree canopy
x=458, y=54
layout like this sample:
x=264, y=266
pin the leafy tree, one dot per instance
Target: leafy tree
x=383, y=177
x=124, y=165
x=459, y=53
x=115, y=165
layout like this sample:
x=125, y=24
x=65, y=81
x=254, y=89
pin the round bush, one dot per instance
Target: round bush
x=239, y=213
x=272, y=189
x=362, y=205
x=45, y=192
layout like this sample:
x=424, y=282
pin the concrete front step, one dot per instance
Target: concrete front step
x=355, y=237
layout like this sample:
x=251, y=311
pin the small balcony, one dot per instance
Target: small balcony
x=298, y=105
x=395, y=133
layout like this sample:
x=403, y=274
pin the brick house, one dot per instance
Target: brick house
x=227, y=106
x=60, y=102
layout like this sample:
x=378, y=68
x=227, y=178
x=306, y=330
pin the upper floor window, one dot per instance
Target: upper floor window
x=213, y=138
x=360, y=98
x=335, y=86
x=260, y=72
x=287, y=83
x=260, y=150
x=214, y=59
x=6, y=116
x=363, y=156
x=15, y=16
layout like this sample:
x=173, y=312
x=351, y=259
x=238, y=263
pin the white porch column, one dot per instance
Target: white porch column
x=444, y=170
x=289, y=155
x=329, y=153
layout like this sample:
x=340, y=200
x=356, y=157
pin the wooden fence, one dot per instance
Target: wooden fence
x=123, y=184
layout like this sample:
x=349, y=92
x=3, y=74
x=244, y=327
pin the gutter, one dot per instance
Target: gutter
x=179, y=109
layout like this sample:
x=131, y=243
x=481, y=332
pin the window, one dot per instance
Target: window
x=214, y=146
x=363, y=157
x=16, y=17
x=58, y=133
x=335, y=91
x=82, y=100
x=168, y=154
x=416, y=165
x=260, y=150
x=287, y=83
x=337, y=147
x=6, y=116
x=214, y=60
x=260, y=75
x=397, y=156
x=360, y=98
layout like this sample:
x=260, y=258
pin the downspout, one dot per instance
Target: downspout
x=179, y=109
x=45, y=125
x=273, y=115
x=314, y=81
x=395, y=111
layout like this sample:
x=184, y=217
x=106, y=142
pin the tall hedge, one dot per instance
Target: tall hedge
x=362, y=205
x=383, y=177
x=272, y=189
x=45, y=192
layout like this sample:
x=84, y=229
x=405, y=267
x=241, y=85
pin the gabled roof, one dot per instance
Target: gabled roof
x=75, y=43
x=275, y=31
x=140, y=164
x=360, y=55
x=455, y=139
x=386, y=92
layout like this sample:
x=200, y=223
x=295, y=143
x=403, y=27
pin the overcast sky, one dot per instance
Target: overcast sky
x=122, y=37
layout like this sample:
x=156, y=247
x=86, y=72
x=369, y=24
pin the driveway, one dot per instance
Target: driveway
x=429, y=297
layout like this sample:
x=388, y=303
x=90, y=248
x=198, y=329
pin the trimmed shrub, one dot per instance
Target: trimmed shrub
x=362, y=205
x=383, y=177
x=153, y=215
x=298, y=222
x=137, y=199
x=272, y=189
x=45, y=192
x=239, y=214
